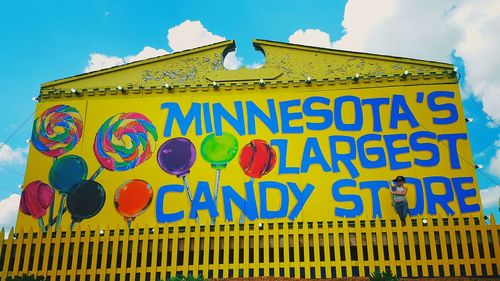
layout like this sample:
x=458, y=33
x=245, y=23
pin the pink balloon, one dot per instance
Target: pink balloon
x=36, y=198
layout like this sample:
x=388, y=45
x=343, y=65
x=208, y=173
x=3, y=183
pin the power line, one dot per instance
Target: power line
x=11, y=170
x=478, y=105
x=16, y=130
x=10, y=199
x=13, y=221
x=461, y=156
x=8, y=189
x=2, y=144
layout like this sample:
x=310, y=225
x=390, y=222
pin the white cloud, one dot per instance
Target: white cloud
x=311, y=37
x=494, y=167
x=190, y=34
x=101, y=61
x=426, y=30
x=9, y=207
x=419, y=29
x=187, y=35
x=255, y=65
x=489, y=196
x=12, y=156
x=478, y=48
x=146, y=53
x=231, y=61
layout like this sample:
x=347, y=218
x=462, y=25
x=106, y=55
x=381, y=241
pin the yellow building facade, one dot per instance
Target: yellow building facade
x=175, y=165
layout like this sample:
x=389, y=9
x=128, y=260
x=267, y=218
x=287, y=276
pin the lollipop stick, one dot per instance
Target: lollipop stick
x=216, y=194
x=73, y=224
x=129, y=223
x=242, y=216
x=51, y=210
x=190, y=195
x=42, y=225
x=55, y=219
x=61, y=207
x=97, y=173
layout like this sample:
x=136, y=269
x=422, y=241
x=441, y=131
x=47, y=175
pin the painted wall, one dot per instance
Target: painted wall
x=290, y=154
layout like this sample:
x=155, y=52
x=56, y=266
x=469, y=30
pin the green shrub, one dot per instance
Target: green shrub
x=383, y=276
x=25, y=277
x=190, y=277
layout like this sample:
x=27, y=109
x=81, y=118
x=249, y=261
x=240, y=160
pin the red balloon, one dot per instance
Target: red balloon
x=36, y=198
x=133, y=198
x=257, y=158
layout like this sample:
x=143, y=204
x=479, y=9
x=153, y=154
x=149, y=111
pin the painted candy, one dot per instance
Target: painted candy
x=219, y=150
x=176, y=156
x=133, y=198
x=257, y=158
x=66, y=172
x=36, y=198
x=57, y=130
x=85, y=200
x=125, y=141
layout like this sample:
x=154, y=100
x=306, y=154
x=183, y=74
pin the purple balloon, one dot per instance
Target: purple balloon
x=176, y=156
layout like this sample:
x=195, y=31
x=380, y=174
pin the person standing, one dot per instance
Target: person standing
x=398, y=193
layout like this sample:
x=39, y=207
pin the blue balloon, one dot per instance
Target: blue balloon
x=66, y=172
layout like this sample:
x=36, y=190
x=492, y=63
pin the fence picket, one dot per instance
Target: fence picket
x=289, y=249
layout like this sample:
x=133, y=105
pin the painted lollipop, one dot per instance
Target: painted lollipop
x=124, y=141
x=65, y=173
x=85, y=200
x=57, y=130
x=132, y=199
x=218, y=151
x=176, y=156
x=257, y=159
x=35, y=199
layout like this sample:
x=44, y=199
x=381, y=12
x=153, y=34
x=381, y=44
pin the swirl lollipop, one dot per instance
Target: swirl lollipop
x=218, y=151
x=132, y=199
x=124, y=141
x=57, y=130
x=35, y=199
x=257, y=159
x=65, y=173
x=85, y=200
x=176, y=156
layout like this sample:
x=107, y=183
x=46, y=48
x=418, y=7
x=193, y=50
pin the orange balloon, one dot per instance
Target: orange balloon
x=133, y=198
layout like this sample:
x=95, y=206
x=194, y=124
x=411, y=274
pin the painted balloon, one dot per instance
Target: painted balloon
x=257, y=158
x=66, y=172
x=133, y=198
x=125, y=141
x=219, y=150
x=36, y=198
x=176, y=156
x=85, y=200
x=57, y=130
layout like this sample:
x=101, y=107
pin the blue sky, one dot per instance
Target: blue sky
x=44, y=41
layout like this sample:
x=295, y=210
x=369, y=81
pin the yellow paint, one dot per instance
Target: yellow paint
x=97, y=110
x=176, y=244
x=285, y=72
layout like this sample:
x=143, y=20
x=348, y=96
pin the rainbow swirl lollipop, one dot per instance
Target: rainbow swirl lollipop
x=57, y=130
x=125, y=141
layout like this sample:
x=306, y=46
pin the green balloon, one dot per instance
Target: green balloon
x=219, y=150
